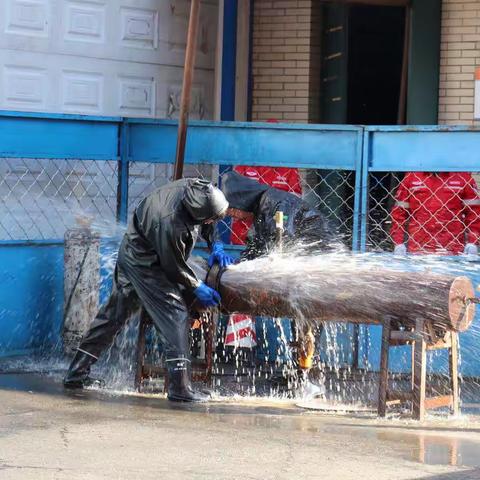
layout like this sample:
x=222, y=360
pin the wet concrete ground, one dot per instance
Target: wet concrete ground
x=46, y=433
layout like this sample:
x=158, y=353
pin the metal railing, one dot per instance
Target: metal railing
x=53, y=166
x=419, y=189
x=56, y=167
x=329, y=184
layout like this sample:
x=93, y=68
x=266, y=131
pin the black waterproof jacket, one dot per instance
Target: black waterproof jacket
x=165, y=226
x=301, y=222
x=152, y=271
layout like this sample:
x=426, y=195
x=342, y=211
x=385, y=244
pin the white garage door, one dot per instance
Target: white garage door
x=96, y=57
x=103, y=57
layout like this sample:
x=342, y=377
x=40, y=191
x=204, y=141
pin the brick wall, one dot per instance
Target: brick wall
x=285, y=61
x=460, y=54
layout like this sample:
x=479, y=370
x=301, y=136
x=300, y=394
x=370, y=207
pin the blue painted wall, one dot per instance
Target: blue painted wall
x=31, y=294
x=31, y=298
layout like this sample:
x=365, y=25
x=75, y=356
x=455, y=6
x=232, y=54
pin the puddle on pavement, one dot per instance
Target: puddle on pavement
x=436, y=449
x=441, y=442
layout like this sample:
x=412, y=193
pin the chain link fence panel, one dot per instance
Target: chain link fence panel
x=330, y=191
x=145, y=177
x=40, y=198
x=427, y=213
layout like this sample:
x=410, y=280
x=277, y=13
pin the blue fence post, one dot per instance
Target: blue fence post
x=229, y=58
x=360, y=241
x=357, y=205
x=357, y=351
x=364, y=190
x=229, y=69
x=123, y=167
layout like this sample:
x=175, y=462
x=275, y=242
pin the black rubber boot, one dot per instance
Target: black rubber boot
x=179, y=386
x=77, y=376
x=307, y=389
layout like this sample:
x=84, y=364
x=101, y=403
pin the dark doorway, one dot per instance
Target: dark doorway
x=375, y=56
x=362, y=58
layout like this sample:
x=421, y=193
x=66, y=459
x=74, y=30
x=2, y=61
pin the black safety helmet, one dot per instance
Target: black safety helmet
x=241, y=192
x=204, y=201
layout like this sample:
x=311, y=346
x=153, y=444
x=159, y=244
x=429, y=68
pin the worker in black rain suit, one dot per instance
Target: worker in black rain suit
x=302, y=224
x=152, y=273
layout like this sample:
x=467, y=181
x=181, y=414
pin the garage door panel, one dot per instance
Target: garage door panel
x=137, y=95
x=173, y=32
x=84, y=22
x=27, y=17
x=54, y=83
x=25, y=86
x=82, y=91
x=141, y=31
x=103, y=57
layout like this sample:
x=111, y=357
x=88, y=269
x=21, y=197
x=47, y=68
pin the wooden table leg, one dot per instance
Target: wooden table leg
x=412, y=353
x=453, y=363
x=383, y=380
x=454, y=452
x=420, y=373
x=421, y=449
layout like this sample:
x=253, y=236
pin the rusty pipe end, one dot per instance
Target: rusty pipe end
x=461, y=308
x=214, y=275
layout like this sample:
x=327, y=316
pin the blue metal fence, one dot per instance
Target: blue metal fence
x=415, y=149
x=135, y=141
x=132, y=156
x=389, y=152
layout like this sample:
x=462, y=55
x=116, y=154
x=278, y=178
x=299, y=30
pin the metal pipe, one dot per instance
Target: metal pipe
x=359, y=296
x=279, y=230
x=186, y=88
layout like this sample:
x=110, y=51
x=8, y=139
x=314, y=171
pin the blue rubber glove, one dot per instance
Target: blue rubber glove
x=207, y=296
x=219, y=256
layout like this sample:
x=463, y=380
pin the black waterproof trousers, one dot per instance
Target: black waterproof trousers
x=135, y=287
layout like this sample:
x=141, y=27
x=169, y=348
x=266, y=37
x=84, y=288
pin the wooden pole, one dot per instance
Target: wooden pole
x=187, y=88
x=346, y=293
x=402, y=101
x=383, y=379
x=419, y=373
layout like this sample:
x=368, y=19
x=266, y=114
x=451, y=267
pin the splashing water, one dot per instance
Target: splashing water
x=294, y=281
x=332, y=287
x=347, y=373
